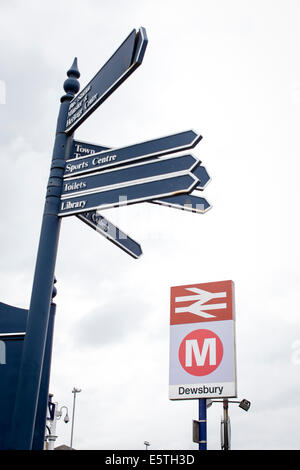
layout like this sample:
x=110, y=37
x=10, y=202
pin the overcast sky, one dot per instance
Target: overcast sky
x=230, y=71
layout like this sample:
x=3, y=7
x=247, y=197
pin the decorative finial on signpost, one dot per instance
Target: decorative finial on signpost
x=73, y=71
x=71, y=85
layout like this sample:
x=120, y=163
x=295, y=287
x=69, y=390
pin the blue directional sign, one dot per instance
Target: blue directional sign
x=120, y=196
x=150, y=149
x=187, y=202
x=155, y=169
x=123, y=62
x=111, y=232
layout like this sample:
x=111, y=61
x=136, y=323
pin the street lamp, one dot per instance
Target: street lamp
x=147, y=444
x=59, y=414
x=75, y=390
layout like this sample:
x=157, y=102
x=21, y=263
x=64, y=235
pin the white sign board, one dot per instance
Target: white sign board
x=202, y=341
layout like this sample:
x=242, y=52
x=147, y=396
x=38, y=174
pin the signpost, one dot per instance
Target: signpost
x=83, y=178
x=31, y=369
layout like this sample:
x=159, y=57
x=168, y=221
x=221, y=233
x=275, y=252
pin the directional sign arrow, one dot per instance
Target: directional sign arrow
x=151, y=189
x=111, y=232
x=202, y=176
x=187, y=202
x=122, y=63
x=131, y=174
x=150, y=149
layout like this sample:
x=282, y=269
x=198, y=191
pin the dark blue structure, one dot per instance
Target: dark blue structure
x=12, y=333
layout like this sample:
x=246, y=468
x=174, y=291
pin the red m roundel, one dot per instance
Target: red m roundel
x=200, y=352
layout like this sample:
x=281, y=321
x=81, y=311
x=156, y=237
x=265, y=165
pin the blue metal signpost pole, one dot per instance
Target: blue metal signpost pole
x=23, y=422
x=41, y=413
x=202, y=424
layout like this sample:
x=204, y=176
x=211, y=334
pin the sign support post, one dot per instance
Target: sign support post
x=41, y=413
x=22, y=427
x=226, y=444
x=202, y=424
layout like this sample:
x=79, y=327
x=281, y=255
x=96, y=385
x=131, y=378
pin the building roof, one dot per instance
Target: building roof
x=63, y=447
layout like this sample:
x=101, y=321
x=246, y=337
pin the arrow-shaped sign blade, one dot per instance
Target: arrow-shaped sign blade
x=111, y=232
x=125, y=155
x=127, y=175
x=202, y=176
x=140, y=47
x=122, y=63
x=187, y=202
x=151, y=189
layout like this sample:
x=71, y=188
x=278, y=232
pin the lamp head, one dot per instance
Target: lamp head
x=245, y=404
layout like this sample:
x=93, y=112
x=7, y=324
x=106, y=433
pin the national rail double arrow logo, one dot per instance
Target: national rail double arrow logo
x=201, y=302
x=199, y=306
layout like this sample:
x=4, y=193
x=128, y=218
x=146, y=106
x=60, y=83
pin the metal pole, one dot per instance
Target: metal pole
x=75, y=390
x=41, y=414
x=225, y=417
x=23, y=420
x=202, y=424
x=52, y=435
